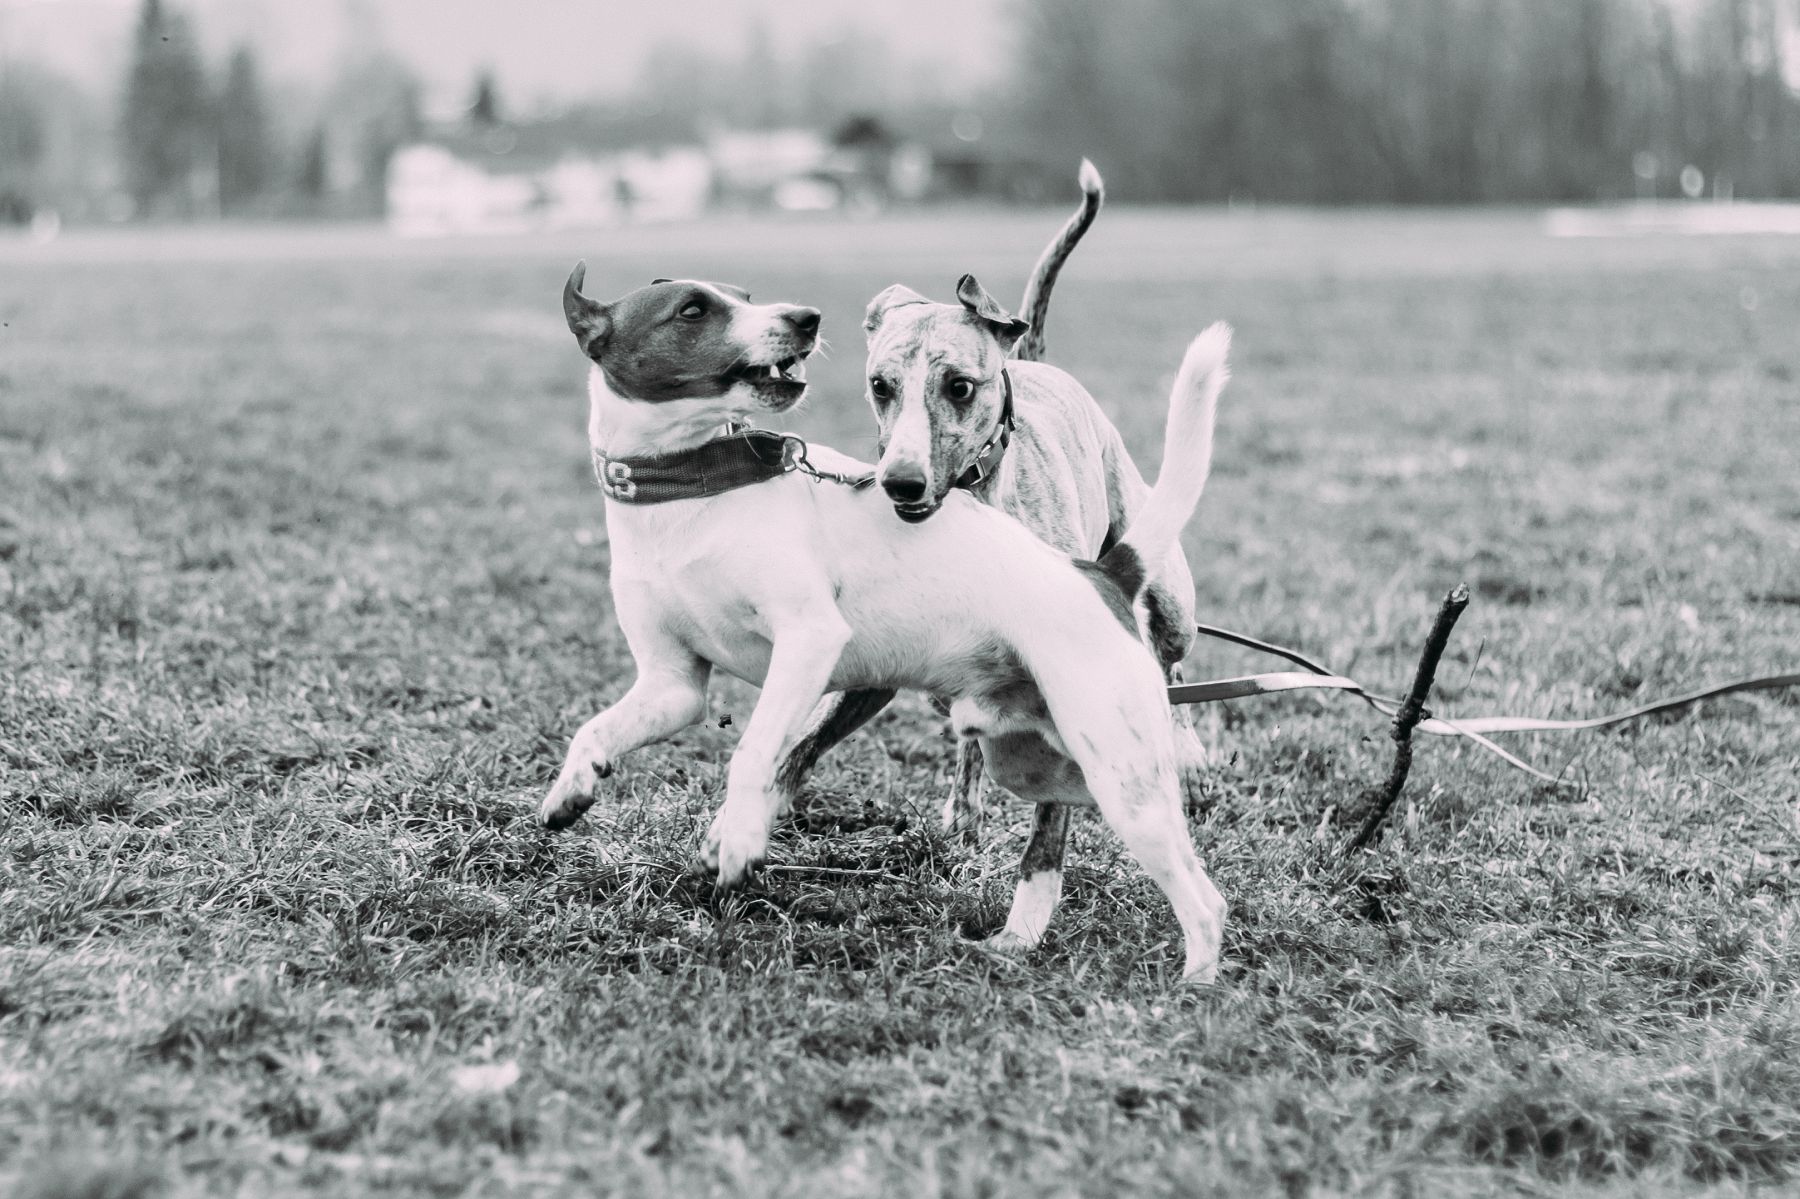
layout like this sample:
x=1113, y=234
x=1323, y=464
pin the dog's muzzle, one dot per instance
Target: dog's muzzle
x=910, y=491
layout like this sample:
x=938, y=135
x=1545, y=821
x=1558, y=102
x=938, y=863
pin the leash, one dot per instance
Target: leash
x=1316, y=677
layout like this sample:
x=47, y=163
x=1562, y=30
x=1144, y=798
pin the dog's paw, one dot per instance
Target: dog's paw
x=1007, y=943
x=733, y=849
x=1202, y=976
x=573, y=793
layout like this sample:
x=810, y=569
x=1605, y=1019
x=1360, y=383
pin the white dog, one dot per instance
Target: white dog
x=726, y=555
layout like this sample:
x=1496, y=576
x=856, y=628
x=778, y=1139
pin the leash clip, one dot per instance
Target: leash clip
x=793, y=455
x=794, y=458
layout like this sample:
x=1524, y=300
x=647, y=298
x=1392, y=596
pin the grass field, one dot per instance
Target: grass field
x=303, y=588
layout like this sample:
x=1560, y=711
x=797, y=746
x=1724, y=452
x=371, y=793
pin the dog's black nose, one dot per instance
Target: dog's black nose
x=904, y=486
x=804, y=320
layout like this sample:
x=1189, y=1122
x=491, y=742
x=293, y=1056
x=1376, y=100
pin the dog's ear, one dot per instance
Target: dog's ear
x=894, y=297
x=1005, y=327
x=588, y=319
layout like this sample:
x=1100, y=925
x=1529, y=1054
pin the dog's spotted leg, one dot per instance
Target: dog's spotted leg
x=966, y=806
x=1039, y=888
x=1030, y=768
x=806, y=649
x=661, y=703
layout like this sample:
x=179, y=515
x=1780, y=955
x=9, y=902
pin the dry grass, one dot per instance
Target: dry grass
x=302, y=588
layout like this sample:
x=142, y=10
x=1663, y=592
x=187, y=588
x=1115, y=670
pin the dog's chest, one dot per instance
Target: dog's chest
x=709, y=579
x=721, y=625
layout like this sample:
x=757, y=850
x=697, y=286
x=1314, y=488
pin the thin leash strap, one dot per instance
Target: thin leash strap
x=795, y=451
x=1470, y=728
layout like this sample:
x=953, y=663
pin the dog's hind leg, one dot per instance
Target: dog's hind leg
x=666, y=698
x=1119, y=739
x=1193, y=759
x=1028, y=767
x=1144, y=808
x=1169, y=630
x=837, y=716
x=967, y=804
x=1168, y=621
x=1039, y=888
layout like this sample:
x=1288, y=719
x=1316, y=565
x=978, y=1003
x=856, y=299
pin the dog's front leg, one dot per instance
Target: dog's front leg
x=805, y=653
x=664, y=700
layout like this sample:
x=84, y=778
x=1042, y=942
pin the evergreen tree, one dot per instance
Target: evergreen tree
x=484, y=106
x=244, y=143
x=22, y=127
x=310, y=180
x=23, y=139
x=164, y=126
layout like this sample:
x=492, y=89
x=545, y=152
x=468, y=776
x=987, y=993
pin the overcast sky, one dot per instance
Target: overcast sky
x=549, y=50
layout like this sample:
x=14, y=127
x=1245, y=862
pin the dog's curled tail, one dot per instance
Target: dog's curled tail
x=1187, y=459
x=1035, y=307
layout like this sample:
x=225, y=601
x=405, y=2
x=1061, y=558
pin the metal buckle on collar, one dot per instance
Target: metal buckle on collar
x=977, y=473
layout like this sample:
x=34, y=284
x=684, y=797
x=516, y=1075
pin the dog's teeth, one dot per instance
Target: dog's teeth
x=797, y=372
x=774, y=371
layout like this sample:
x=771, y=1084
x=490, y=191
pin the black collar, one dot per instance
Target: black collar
x=987, y=459
x=740, y=458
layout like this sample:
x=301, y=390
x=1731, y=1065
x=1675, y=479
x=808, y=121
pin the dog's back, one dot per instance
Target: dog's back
x=1067, y=476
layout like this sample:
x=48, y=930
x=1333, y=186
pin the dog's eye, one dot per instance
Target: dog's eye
x=693, y=310
x=878, y=387
x=960, y=390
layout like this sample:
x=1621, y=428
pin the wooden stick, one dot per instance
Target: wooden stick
x=1410, y=714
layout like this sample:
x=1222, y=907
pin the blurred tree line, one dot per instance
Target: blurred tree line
x=190, y=141
x=192, y=145
x=1318, y=101
x=1430, y=101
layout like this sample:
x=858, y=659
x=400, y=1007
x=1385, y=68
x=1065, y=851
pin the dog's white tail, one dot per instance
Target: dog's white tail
x=1187, y=455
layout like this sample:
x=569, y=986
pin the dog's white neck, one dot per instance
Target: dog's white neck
x=625, y=428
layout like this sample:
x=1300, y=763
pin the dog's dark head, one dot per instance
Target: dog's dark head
x=935, y=384
x=680, y=339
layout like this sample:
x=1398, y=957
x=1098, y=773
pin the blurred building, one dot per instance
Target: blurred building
x=549, y=174
x=462, y=179
x=578, y=171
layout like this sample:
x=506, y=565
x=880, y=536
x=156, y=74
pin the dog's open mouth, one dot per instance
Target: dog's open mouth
x=780, y=382
x=912, y=514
